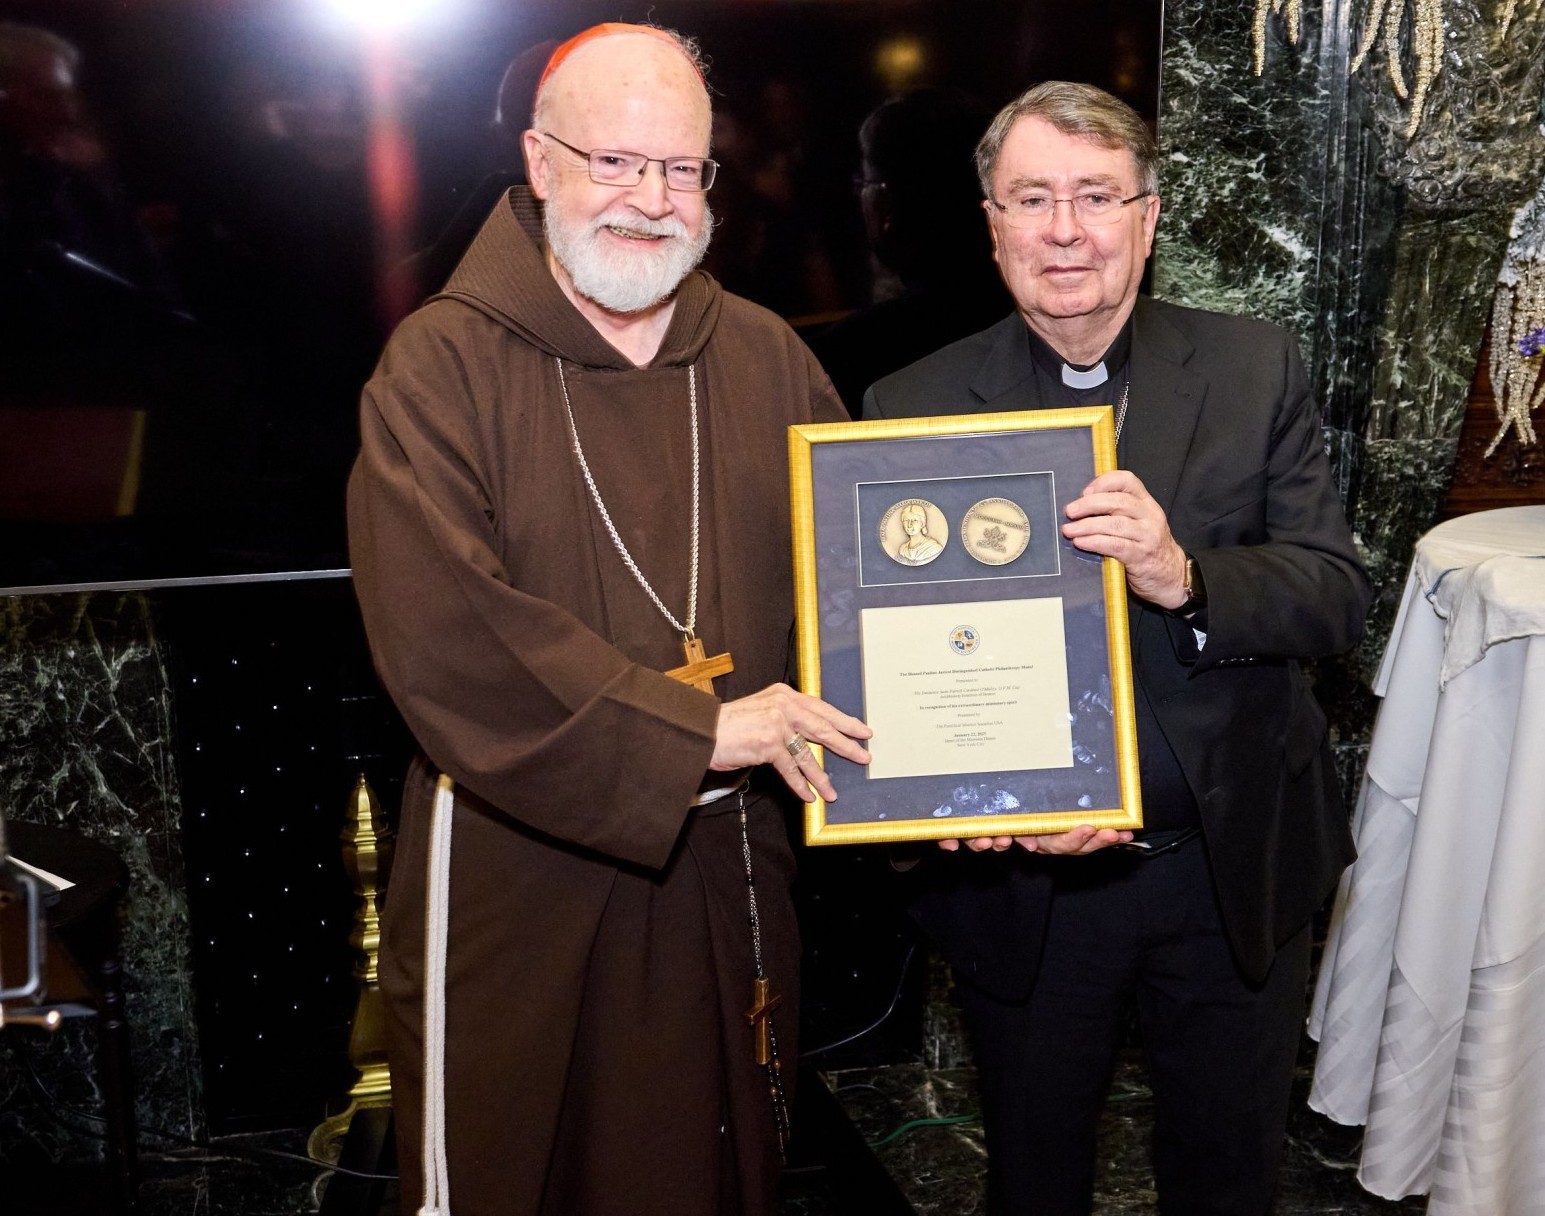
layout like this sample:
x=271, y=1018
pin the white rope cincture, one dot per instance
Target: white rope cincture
x=437, y=1174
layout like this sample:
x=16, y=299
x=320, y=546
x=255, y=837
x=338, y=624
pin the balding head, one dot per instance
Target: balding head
x=609, y=70
x=41, y=108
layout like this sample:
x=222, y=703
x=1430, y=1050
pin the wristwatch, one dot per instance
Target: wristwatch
x=1195, y=589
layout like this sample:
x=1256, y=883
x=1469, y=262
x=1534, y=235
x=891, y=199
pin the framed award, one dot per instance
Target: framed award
x=937, y=599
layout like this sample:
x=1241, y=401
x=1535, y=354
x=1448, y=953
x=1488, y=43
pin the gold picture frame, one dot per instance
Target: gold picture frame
x=937, y=599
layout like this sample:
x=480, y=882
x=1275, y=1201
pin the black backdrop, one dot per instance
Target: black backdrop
x=208, y=226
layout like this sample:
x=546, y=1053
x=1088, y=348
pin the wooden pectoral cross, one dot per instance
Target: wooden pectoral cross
x=763, y=1002
x=700, y=669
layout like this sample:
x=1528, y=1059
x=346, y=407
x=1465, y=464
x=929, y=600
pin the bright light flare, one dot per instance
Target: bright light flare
x=389, y=14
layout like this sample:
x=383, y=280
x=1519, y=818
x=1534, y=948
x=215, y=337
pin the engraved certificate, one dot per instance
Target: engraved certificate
x=972, y=687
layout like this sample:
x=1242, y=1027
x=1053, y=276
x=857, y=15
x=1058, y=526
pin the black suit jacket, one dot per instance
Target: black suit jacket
x=1223, y=433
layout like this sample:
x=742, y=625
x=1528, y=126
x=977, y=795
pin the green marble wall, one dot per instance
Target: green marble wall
x=1297, y=196
x=86, y=744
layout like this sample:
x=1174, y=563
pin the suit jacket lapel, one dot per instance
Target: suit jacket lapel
x=1164, y=406
x=1008, y=364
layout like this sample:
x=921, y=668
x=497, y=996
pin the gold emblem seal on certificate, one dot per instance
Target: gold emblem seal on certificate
x=995, y=531
x=914, y=532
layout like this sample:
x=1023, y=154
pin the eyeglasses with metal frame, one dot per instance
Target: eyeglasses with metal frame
x=610, y=167
x=1090, y=207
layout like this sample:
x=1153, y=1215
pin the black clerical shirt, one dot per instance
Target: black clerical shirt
x=1168, y=803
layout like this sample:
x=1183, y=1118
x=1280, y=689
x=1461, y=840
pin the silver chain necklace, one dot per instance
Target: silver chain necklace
x=611, y=528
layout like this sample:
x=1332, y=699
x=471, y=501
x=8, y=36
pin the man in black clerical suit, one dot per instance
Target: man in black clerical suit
x=1239, y=564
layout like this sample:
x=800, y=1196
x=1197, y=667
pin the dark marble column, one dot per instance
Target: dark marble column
x=86, y=725
x=1269, y=196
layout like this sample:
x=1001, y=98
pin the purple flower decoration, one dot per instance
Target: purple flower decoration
x=1532, y=343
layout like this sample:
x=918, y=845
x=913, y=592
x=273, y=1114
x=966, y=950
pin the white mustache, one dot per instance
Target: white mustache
x=629, y=220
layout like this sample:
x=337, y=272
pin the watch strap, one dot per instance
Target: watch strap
x=1195, y=589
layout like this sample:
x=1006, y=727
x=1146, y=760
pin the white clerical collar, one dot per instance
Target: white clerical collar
x=1093, y=378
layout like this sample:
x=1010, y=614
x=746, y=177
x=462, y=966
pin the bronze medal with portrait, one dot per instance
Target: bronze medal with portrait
x=913, y=532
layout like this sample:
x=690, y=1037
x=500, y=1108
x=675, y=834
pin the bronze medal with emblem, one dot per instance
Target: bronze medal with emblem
x=995, y=531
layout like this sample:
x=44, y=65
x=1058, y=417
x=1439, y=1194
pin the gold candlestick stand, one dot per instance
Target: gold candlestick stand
x=367, y=856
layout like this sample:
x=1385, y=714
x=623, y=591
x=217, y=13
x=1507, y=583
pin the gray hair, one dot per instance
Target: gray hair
x=1080, y=110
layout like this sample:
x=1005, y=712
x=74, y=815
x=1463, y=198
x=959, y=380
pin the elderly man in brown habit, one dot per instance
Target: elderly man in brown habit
x=569, y=535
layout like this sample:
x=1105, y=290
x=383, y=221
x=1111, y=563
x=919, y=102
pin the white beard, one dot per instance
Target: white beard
x=624, y=278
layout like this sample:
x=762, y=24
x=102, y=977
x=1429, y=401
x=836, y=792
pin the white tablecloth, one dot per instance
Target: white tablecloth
x=1430, y=1006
